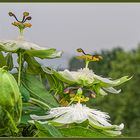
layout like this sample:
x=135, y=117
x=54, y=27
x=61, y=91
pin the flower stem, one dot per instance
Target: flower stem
x=39, y=102
x=87, y=62
x=72, y=100
x=19, y=69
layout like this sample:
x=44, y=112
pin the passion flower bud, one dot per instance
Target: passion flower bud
x=10, y=100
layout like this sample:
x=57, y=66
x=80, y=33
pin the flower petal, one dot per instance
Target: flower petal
x=65, y=76
x=112, y=90
x=14, y=45
x=35, y=117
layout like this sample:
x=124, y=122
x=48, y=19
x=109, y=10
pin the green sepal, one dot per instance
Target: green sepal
x=62, y=78
x=116, y=82
x=46, y=129
x=48, y=53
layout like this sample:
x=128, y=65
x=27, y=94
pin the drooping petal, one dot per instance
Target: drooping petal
x=106, y=82
x=112, y=90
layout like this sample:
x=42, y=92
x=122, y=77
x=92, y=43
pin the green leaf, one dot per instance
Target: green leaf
x=33, y=66
x=56, y=85
x=2, y=60
x=79, y=131
x=9, y=61
x=37, y=90
x=28, y=109
x=48, y=53
x=47, y=128
x=25, y=93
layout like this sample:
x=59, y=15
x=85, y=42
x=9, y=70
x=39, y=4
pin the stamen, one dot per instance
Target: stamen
x=25, y=14
x=21, y=24
x=13, y=15
x=81, y=50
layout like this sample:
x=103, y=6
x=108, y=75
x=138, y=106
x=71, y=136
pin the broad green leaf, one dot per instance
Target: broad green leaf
x=25, y=93
x=9, y=61
x=2, y=60
x=28, y=109
x=47, y=128
x=79, y=131
x=33, y=66
x=37, y=90
x=48, y=53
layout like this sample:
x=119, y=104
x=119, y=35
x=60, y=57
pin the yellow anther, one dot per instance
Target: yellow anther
x=93, y=95
x=90, y=57
x=80, y=98
x=16, y=23
x=27, y=25
x=71, y=95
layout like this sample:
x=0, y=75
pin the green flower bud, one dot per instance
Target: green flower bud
x=10, y=101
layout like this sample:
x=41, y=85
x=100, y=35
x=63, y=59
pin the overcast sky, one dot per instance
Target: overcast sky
x=90, y=26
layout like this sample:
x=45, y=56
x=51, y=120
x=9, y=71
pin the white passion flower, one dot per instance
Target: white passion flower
x=78, y=113
x=86, y=77
x=20, y=43
x=30, y=48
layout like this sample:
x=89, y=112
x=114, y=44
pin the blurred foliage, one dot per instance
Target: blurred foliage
x=124, y=107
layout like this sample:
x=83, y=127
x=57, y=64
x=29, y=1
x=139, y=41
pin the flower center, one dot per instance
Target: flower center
x=21, y=24
x=87, y=57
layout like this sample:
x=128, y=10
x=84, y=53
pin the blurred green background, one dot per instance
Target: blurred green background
x=123, y=107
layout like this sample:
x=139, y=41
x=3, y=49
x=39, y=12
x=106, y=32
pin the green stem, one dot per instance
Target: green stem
x=21, y=31
x=87, y=62
x=72, y=100
x=39, y=102
x=19, y=69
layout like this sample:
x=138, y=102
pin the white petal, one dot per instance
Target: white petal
x=74, y=113
x=120, y=127
x=113, y=133
x=102, y=92
x=112, y=90
x=100, y=117
x=35, y=117
x=106, y=80
x=67, y=74
x=16, y=44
